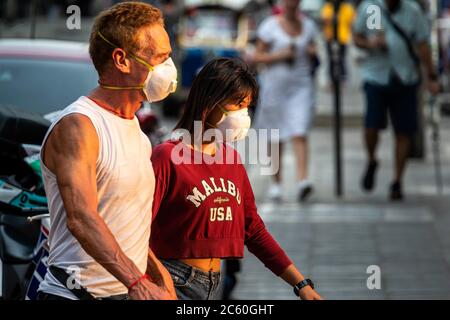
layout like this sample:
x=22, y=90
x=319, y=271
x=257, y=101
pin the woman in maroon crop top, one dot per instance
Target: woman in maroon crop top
x=204, y=209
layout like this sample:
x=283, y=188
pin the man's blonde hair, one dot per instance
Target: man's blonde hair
x=120, y=24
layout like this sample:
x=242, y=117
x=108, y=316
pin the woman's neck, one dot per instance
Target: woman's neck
x=207, y=148
x=291, y=15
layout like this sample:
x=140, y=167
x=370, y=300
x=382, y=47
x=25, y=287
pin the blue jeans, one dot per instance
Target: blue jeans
x=192, y=283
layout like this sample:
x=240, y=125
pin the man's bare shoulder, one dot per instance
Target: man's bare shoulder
x=73, y=136
x=73, y=127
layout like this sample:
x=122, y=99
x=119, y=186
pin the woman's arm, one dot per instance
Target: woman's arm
x=293, y=276
x=268, y=251
x=261, y=243
x=263, y=56
x=312, y=48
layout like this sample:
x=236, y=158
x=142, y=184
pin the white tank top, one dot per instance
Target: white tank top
x=125, y=186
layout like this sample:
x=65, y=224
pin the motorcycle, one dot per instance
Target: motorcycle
x=24, y=219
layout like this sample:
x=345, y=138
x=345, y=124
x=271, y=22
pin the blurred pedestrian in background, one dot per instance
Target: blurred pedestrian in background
x=391, y=78
x=346, y=17
x=287, y=50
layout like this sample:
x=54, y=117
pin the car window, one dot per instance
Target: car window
x=44, y=86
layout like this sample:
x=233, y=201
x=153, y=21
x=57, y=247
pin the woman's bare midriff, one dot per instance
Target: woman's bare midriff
x=209, y=264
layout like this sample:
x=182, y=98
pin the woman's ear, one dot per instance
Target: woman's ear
x=121, y=61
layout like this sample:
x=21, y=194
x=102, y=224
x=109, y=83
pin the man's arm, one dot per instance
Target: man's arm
x=360, y=30
x=71, y=153
x=427, y=61
x=377, y=42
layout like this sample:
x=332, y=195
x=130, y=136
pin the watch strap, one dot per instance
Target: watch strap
x=299, y=286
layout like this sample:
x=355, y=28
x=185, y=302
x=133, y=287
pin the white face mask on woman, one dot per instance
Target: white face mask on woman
x=234, y=123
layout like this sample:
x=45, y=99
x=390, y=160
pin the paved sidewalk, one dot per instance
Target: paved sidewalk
x=334, y=241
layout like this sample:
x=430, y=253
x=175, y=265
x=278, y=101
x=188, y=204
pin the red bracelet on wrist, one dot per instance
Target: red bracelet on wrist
x=145, y=276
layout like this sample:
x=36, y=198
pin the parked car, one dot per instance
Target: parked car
x=45, y=76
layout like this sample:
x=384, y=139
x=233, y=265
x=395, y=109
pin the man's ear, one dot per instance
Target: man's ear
x=121, y=60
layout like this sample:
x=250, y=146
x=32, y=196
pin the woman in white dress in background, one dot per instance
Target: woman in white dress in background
x=285, y=47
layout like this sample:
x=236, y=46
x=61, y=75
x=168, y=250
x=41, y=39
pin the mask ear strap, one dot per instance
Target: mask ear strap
x=104, y=86
x=106, y=40
x=225, y=112
x=149, y=66
x=142, y=61
x=210, y=124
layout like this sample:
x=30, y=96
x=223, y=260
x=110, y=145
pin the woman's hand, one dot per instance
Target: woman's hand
x=308, y=293
x=286, y=55
x=292, y=276
x=311, y=49
x=263, y=55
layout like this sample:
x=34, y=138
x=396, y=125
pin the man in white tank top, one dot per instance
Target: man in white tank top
x=96, y=166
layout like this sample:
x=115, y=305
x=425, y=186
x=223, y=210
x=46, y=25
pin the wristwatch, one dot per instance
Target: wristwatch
x=299, y=286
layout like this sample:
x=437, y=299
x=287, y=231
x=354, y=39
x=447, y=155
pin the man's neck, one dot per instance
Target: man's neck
x=122, y=103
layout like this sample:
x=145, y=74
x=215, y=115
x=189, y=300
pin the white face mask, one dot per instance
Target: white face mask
x=161, y=81
x=235, y=124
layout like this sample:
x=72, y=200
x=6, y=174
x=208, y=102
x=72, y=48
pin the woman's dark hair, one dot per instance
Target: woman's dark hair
x=222, y=81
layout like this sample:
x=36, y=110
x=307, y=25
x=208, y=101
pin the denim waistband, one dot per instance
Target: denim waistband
x=188, y=269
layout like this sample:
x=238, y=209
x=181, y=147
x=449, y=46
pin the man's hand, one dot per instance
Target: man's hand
x=308, y=293
x=147, y=290
x=425, y=56
x=378, y=42
x=159, y=274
